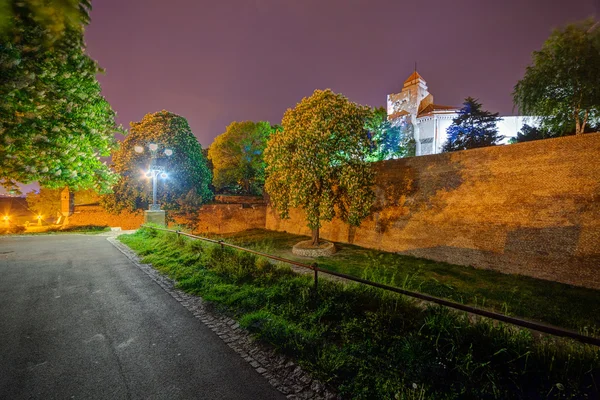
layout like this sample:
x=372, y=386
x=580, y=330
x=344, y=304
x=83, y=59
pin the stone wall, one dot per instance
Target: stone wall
x=531, y=208
x=94, y=214
x=231, y=199
x=227, y=218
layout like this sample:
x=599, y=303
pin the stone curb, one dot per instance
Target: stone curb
x=281, y=372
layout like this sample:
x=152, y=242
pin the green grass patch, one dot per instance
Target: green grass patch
x=554, y=303
x=370, y=343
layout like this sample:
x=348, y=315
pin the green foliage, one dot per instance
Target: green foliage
x=371, y=344
x=55, y=124
x=563, y=83
x=55, y=119
x=472, y=128
x=388, y=141
x=237, y=157
x=188, y=174
x=318, y=162
x=53, y=16
x=530, y=133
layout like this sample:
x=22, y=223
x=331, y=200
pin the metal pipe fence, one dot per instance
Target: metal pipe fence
x=537, y=326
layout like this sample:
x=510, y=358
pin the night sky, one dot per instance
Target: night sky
x=215, y=62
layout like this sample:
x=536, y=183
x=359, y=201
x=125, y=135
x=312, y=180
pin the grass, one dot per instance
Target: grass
x=370, y=343
x=550, y=302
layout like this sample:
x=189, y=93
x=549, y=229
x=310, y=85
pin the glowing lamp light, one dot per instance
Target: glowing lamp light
x=154, y=171
x=39, y=217
x=5, y=218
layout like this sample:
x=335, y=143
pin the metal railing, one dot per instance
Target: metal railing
x=537, y=326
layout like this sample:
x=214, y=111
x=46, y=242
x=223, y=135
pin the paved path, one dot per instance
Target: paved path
x=79, y=320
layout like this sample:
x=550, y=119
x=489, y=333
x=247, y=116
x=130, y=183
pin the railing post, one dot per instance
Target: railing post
x=316, y=271
x=222, y=245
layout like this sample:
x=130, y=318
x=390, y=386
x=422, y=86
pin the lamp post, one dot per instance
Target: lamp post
x=154, y=213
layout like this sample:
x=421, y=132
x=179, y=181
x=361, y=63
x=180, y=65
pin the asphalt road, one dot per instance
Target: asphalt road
x=78, y=320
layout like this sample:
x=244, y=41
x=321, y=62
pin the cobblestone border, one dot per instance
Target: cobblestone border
x=281, y=372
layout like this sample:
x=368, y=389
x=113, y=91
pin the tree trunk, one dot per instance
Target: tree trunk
x=584, y=123
x=315, y=237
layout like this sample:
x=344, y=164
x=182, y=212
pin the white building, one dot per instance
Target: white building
x=414, y=105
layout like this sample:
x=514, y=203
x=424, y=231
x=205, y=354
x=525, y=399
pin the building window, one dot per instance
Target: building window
x=426, y=146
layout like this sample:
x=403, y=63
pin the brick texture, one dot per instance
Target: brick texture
x=530, y=208
x=228, y=218
x=96, y=215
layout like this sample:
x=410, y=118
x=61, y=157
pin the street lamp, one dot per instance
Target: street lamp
x=155, y=171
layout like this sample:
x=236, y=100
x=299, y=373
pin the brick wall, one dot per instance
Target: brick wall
x=95, y=215
x=227, y=218
x=530, y=208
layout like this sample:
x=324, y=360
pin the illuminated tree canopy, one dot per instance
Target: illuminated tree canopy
x=388, y=141
x=54, y=122
x=563, y=83
x=54, y=16
x=188, y=174
x=318, y=162
x=472, y=128
x=237, y=157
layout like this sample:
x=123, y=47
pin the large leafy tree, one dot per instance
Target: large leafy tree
x=472, y=128
x=54, y=122
x=237, y=157
x=318, y=162
x=563, y=83
x=187, y=173
x=388, y=141
x=54, y=16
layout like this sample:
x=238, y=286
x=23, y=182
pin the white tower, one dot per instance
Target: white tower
x=406, y=105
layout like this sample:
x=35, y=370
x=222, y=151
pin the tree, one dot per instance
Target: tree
x=388, y=141
x=530, y=133
x=186, y=167
x=45, y=202
x=318, y=162
x=237, y=157
x=472, y=128
x=55, y=124
x=53, y=16
x=563, y=83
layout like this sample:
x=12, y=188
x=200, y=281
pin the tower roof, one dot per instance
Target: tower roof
x=414, y=77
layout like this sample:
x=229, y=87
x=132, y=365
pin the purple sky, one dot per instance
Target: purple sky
x=219, y=61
